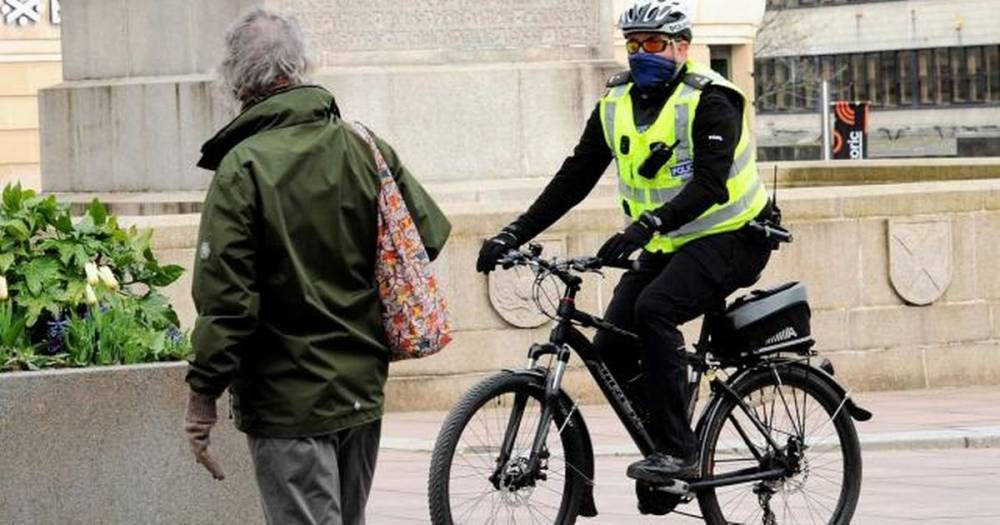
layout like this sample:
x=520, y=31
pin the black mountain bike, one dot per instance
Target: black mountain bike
x=776, y=436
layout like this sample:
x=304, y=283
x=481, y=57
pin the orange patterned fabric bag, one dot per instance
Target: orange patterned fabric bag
x=414, y=314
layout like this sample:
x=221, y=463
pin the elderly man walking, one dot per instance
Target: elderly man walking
x=288, y=308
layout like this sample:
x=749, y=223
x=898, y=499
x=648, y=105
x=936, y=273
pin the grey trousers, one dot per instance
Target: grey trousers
x=322, y=480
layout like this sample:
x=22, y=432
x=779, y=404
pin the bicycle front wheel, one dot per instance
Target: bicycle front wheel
x=467, y=483
x=817, y=442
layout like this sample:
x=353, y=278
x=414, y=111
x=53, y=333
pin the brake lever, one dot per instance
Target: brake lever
x=510, y=259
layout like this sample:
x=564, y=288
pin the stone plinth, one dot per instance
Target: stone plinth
x=489, y=89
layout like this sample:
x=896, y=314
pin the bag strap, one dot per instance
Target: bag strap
x=380, y=164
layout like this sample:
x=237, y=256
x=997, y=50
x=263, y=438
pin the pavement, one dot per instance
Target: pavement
x=930, y=456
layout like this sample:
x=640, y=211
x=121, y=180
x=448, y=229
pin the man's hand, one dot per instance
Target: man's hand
x=198, y=423
x=494, y=248
x=619, y=247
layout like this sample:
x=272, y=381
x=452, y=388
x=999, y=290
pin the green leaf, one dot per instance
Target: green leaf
x=40, y=273
x=18, y=229
x=74, y=293
x=167, y=275
x=12, y=197
x=98, y=212
x=35, y=305
x=64, y=223
x=6, y=260
x=158, y=312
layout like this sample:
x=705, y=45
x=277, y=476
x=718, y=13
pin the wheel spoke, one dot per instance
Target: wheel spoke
x=474, y=461
x=787, y=413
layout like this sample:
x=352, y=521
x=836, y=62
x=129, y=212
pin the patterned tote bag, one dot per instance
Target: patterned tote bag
x=414, y=314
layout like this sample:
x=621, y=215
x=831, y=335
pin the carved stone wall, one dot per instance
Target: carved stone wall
x=389, y=31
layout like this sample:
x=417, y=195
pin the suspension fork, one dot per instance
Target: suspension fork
x=553, y=387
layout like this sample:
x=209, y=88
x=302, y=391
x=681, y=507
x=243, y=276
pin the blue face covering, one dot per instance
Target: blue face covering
x=649, y=70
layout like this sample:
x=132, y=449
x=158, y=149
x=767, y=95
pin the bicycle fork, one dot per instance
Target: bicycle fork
x=538, y=453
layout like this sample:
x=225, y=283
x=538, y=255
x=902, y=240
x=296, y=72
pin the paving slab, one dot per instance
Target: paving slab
x=912, y=419
x=924, y=487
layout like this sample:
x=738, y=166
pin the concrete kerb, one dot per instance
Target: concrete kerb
x=962, y=438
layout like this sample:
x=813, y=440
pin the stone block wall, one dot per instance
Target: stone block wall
x=138, y=86
x=841, y=252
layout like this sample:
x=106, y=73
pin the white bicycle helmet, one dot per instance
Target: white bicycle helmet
x=657, y=16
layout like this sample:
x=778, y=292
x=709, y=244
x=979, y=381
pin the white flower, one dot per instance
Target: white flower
x=91, y=297
x=3, y=288
x=91, y=270
x=108, y=277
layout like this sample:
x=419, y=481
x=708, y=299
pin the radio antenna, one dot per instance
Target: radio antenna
x=774, y=188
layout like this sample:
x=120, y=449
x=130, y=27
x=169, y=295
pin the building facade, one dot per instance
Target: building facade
x=30, y=59
x=929, y=68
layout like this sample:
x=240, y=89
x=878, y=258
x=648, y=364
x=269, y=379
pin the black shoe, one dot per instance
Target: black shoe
x=662, y=468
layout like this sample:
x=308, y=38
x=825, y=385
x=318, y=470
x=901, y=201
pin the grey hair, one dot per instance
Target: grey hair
x=263, y=50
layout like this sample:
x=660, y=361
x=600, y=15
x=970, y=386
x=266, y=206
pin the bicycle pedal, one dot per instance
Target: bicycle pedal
x=675, y=486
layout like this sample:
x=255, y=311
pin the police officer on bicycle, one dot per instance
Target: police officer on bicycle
x=688, y=182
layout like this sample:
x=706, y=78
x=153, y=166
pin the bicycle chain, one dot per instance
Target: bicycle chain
x=764, y=494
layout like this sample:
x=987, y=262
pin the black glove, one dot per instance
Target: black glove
x=618, y=248
x=496, y=247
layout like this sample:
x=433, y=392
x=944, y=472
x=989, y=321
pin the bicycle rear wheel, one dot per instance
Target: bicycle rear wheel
x=809, y=422
x=466, y=454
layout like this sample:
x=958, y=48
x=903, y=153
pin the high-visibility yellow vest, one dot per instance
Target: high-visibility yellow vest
x=747, y=196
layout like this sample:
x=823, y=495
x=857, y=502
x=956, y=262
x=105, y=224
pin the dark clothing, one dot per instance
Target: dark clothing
x=322, y=480
x=667, y=291
x=284, y=278
x=719, y=114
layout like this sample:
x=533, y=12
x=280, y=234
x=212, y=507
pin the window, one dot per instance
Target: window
x=872, y=79
x=889, y=79
x=992, y=73
x=809, y=66
x=886, y=79
x=925, y=66
x=859, y=84
x=721, y=66
x=842, y=77
x=942, y=73
x=977, y=79
x=765, y=85
x=907, y=77
x=959, y=78
x=781, y=83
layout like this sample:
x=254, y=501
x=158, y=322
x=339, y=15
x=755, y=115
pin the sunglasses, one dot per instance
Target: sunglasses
x=652, y=44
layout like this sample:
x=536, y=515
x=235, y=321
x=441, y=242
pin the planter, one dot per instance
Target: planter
x=105, y=445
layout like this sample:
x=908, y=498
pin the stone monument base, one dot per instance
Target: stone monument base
x=449, y=123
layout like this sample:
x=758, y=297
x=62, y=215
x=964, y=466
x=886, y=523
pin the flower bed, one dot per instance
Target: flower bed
x=80, y=293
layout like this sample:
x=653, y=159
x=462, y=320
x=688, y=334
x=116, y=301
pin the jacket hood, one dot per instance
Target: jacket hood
x=283, y=108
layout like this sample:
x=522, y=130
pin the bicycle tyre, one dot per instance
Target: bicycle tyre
x=831, y=404
x=459, y=417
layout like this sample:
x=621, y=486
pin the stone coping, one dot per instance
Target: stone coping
x=798, y=204
x=798, y=175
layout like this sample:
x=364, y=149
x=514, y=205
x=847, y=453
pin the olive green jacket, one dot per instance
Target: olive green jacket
x=288, y=309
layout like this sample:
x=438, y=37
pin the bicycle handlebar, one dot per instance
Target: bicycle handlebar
x=564, y=269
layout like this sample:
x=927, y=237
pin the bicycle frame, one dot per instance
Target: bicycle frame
x=565, y=338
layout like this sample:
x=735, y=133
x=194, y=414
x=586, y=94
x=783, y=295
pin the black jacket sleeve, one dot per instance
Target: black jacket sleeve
x=718, y=124
x=579, y=173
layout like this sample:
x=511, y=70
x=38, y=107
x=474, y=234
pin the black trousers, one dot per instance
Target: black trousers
x=665, y=292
